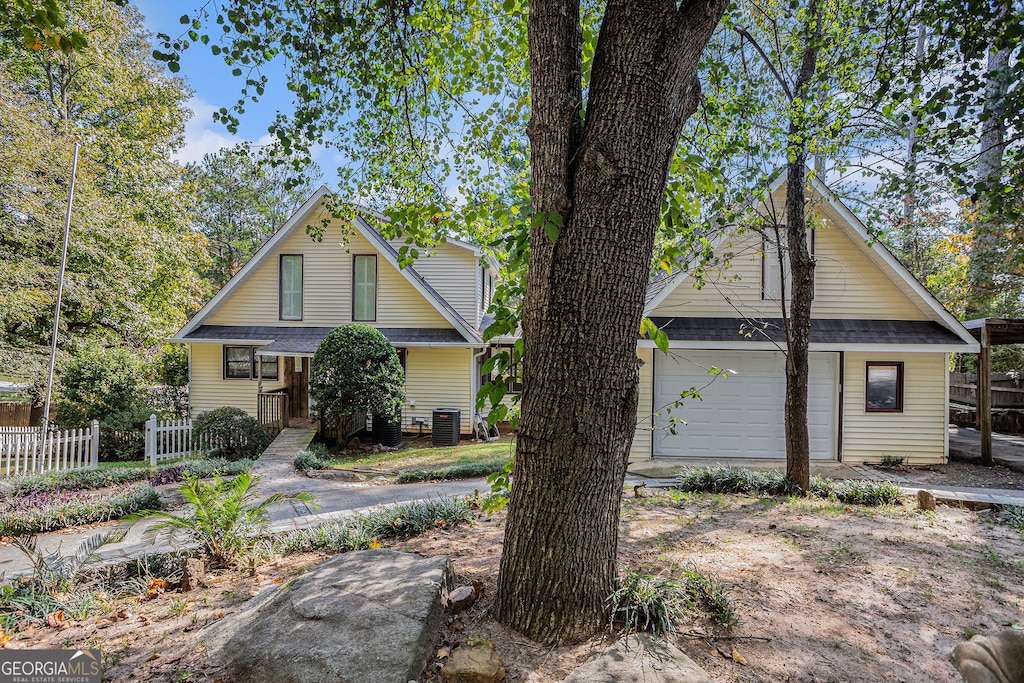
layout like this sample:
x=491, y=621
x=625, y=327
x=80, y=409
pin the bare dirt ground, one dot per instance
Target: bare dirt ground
x=825, y=592
x=955, y=473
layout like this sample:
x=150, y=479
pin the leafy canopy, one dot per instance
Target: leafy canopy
x=356, y=370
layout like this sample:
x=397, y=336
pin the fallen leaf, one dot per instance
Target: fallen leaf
x=849, y=510
x=478, y=587
x=715, y=652
x=155, y=655
x=457, y=625
x=444, y=652
x=738, y=658
x=220, y=615
x=55, y=619
x=278, y=580
x=374, y=544
x=4, y=638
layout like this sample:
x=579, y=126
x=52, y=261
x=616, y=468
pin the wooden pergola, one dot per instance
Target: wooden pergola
x=991, y=332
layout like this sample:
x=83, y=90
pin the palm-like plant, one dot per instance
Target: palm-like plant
x=58, y=572
x=223, y=516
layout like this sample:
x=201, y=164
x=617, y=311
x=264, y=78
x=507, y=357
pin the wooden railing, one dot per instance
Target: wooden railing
x=28, y=449
x=272, y=411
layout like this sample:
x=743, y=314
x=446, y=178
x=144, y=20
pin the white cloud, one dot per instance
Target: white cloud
x=202, y=135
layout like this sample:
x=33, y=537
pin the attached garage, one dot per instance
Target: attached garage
x=740, y=414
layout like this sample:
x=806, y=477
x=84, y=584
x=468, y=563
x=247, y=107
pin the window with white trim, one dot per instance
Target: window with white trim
x=291, y=287
x=364, y=287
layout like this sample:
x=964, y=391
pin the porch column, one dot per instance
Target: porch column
x=985, y=395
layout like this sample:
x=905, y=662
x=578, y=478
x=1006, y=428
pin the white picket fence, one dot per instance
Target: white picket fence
x=167, y=439
x=25, y=450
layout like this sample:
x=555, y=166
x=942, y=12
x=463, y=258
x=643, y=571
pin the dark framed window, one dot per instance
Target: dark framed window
x=364, y=287
x=884, y=387
x=402, y=354
x=515, y=371
x=240, y=363
x=290, y=287
x=771, y=282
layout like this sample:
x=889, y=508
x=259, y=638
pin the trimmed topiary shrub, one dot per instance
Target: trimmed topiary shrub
x=233, y=432
x=356, y=370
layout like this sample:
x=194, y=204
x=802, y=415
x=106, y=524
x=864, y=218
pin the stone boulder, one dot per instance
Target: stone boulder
x=640, y=659
x=474, y=662
x=991, y=659
x=363, y=617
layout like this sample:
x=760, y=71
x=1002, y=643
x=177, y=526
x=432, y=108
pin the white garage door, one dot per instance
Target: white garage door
x=742, y=415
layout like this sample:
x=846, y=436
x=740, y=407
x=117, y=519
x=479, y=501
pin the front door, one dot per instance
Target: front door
x=296, y=383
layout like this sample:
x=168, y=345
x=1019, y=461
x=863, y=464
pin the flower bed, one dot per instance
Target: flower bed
x=52, y=510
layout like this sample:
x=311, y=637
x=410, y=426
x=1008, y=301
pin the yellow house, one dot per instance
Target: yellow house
x=880, y=345
x=271, y=316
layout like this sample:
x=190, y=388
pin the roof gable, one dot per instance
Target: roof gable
x=862, y=258
x=304, y=216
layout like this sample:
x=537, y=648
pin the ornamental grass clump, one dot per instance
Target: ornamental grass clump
x=775, y=483
x=40, y=512
x=358, y=533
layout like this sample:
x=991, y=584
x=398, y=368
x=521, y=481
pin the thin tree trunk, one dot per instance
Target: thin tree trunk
x=585, y=292
x=801, y=265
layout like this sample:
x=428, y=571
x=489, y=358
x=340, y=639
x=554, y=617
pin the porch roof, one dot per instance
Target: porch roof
x=303, y=341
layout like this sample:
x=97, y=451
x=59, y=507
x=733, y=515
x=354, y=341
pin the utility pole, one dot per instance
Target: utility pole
x=60, y=293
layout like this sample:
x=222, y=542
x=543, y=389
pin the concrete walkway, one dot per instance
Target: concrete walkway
x=1007, y=450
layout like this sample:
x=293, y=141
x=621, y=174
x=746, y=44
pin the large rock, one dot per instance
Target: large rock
x=640, y=659
x=474, y=662
x=991, y=659
x=363, y=617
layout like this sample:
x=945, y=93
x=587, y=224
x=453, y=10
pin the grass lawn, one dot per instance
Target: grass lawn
x=420, y=461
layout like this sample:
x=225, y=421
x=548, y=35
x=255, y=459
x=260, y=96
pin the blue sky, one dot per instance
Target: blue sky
x=214, y=87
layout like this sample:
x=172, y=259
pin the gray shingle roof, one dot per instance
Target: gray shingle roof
x=823, y=331
x=305, y=340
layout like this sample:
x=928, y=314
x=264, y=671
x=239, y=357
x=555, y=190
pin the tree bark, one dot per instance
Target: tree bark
x=801, y=265
x=604, y=179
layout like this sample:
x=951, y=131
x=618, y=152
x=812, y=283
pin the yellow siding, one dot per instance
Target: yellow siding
x=918, y=433
x=327, y=288
x=208, y=389
x=641, y=448
x=455, y=273
x=438, y=378
x=847, y=284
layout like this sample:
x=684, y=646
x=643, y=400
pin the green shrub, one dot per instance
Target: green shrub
x=645, y=603
x=706, y=595
x=357, y=533
x=235, y=433
x=356, y=370
x=48, y=512
x=313, y=458
x=775, y=483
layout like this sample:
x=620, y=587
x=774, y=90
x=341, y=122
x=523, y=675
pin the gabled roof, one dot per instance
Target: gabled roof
x=298, y=221
x=662, y=286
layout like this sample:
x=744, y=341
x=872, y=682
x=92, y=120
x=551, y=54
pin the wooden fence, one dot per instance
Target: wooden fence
x=15, y=414
x=1006, y=390
x=25, y=450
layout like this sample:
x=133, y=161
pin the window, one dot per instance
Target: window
x=771, y=282
x=364, y=288
x=240, y=363
x=402, y=353
x=513, y=365
x=884, y=390
x=290, y=299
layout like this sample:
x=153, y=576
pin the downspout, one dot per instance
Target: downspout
x=474, y=384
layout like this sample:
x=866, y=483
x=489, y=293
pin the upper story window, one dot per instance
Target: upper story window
x=290, y=299
x=771, y=276
x=364, y=287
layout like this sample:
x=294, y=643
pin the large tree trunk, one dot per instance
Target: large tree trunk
x=585, y=293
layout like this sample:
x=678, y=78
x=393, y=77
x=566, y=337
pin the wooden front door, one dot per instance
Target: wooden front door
x=296, y=383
